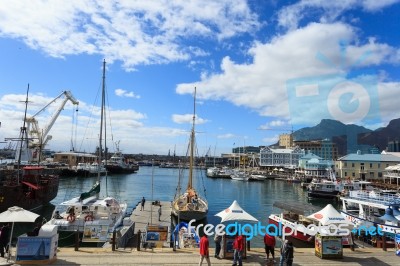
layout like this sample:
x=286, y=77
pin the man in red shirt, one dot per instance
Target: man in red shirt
x=269, y=242
x=238, y=246
x=204, y=250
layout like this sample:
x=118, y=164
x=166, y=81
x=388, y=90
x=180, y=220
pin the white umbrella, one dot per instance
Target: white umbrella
x=17, y=214
x=235, y=213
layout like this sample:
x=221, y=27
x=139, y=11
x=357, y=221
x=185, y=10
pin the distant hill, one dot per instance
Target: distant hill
x=327, y=129
x=359, y=138
x=381, y=136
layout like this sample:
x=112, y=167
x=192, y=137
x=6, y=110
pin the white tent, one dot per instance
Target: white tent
x=235, y=213
x=328, y=215
x=16, y=214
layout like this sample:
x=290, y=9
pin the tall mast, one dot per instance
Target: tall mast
x=191, y=159
x=23, y=133
x=102, y=118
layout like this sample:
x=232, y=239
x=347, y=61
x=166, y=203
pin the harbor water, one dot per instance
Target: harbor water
x=156, y=183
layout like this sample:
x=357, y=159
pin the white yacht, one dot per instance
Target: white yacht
x=368, y=208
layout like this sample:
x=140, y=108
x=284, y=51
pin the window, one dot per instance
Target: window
x=352, y=165
x=370, y=165
x=353, y=174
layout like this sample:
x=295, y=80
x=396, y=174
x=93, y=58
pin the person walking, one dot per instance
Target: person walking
x=204, y=254
x=4, y=238
x=217, y=240
x=288, y=253
x=159, y=213
x=238, y=247
x=269, y=242
x=142, y=204
x=282, y=252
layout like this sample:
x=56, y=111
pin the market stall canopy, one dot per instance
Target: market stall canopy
x=14, y=215
x=17, y=214
x=328, y=215
x=235, y=213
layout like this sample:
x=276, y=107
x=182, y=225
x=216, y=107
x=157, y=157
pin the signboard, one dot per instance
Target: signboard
x=328, y=247
x=33, y=248
x=37, y=248
x=331, y=246
x=96, y=233
x=157, y=235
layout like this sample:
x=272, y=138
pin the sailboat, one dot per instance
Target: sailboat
x=239, y=174
x=96, y=217
x=190, y=205
x=32, y=188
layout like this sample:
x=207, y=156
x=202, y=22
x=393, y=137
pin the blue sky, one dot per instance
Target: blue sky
x=260, y=68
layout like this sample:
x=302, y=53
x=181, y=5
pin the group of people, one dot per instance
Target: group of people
x=286, y=250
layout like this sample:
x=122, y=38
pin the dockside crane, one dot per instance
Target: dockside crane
x=40, y=137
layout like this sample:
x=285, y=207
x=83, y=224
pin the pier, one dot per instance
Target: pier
x=149, y=217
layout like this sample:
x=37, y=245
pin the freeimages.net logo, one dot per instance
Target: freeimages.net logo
x=346, y=96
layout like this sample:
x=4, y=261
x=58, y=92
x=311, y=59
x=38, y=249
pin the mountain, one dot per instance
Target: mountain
x=327, y=129
x=381, y=136
x=345, y=136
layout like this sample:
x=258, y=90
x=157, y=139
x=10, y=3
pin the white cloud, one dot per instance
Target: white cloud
x=312, y=53
x=124, y=93
x=323, y=11
x=133, y=32
x=187, y=119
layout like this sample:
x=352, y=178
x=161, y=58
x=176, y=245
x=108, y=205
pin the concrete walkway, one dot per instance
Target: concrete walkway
x=166, y=256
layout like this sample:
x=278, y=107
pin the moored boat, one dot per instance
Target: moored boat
x=87, y=169
x=240, y=175
x=32, y=188
x=97, y=218
x=190, y=205
x=369, y=208
x=292, y=214
x=118, y=164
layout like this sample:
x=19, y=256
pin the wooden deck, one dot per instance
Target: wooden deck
x=149, y=216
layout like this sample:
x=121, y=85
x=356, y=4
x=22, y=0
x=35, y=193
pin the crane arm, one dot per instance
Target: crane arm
x=68, y=96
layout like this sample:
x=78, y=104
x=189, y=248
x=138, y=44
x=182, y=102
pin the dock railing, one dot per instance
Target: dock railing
x=379, y=198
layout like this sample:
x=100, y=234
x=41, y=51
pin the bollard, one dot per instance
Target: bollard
x=76, y=240
x=352, y=241
x=138, y=240
x=248, y=245
x=384, y=242
x=113, y=240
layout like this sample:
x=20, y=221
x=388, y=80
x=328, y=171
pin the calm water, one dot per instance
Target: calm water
x=254, y=197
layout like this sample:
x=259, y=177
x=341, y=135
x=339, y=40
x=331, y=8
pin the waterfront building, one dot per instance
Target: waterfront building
x=393, y=146
x=73, y=158
x=325, y=148
x=286, y=140
x=311, y=165
x=365, y=166
x=392, y=174
x=286, y=158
